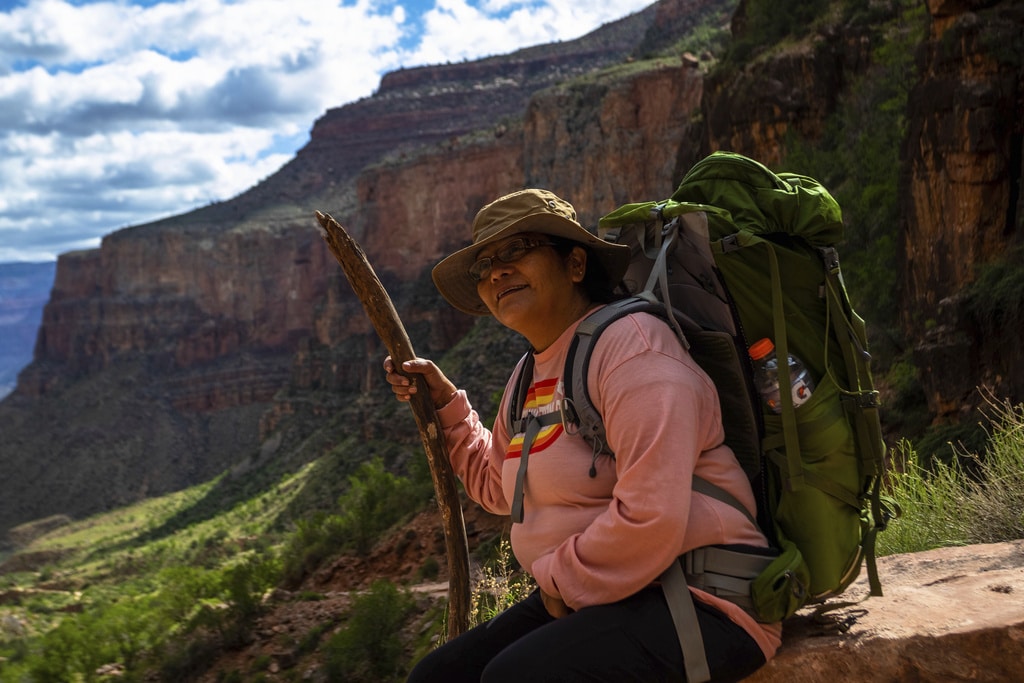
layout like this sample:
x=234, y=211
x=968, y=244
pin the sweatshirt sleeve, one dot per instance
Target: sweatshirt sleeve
x=476, y=453
x=660, y=414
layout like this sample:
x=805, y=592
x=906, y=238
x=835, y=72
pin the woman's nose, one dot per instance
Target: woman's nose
x=500, y=269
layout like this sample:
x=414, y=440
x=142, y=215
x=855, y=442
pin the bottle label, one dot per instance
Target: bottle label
x=801, y=390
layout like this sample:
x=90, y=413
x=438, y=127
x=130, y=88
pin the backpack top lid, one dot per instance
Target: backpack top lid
x=761, y=201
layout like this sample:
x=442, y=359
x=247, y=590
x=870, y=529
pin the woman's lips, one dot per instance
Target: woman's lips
x=509, y=290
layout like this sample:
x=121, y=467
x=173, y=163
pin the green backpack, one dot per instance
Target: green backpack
x=739, y=253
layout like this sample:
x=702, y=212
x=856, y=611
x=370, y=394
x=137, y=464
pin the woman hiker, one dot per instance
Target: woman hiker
x=595, y=533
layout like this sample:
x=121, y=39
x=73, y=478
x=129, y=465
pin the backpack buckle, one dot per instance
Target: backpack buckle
x=830, y=257
x=863, y=400
x=730, y=243
x=870, y=399
x=570, y=418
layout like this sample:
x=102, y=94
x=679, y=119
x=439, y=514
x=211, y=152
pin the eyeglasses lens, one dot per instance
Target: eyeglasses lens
x=511, y=252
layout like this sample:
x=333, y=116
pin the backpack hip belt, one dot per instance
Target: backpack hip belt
x=726, y=573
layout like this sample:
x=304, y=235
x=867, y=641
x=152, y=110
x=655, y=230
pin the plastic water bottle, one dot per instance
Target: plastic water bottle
x=766, y=376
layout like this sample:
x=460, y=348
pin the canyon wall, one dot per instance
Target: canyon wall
x=962, y=203
x=223, y=338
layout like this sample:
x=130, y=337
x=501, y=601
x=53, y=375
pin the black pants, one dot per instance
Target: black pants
x=630, y=640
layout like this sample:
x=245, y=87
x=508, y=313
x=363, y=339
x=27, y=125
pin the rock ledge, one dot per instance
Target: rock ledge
x=953, y=614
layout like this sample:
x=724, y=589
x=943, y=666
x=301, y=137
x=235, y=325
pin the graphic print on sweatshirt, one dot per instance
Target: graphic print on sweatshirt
x=543, y=397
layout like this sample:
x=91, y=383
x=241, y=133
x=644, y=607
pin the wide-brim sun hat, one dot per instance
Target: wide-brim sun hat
x=531, y=210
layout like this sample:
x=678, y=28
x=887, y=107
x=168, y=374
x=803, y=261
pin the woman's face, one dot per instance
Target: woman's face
x=535, y=295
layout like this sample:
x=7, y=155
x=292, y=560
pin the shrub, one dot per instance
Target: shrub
x=995, y=300
x=187, y=659
x=995, y=504
x=182, y=591
x=770, y=21
x=122, y=632
x=430, y=568
x=929, y=502
x=502, y=584
x=311, y=641
x=370, y=646
x=375, y=501
x=315, y=539
x=970, y=499
x=242, y=587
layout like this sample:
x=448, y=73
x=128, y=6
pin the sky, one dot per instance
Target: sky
x=118, y=112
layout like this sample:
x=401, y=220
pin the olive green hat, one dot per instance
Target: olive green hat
x=532, y=210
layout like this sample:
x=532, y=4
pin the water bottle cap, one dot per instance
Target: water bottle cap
x=761, y=348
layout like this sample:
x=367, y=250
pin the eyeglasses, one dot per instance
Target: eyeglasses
x=513, y=251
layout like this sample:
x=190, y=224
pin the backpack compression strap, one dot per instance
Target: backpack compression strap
x=861, y=402
x=791, y=466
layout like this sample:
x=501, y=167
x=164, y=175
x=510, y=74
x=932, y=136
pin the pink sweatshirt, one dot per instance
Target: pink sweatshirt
x=596, y=540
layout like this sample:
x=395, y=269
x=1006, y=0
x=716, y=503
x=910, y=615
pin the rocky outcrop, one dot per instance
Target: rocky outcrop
x=755, y=108
x=953, y=614
x=617, y=140
x=424, y=107
x=248, y=273
x=182, y=299
x=962, y=201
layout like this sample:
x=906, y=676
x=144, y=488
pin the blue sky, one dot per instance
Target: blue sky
x=117, y=112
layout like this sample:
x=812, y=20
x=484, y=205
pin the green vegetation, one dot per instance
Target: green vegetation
x=375, y=501
x=769, y=22
x=369, y=649
x=967, y=500
x=116, y=595
x=169, y=608
x=996, y=297
x=168, y=604
x=710, y=38
x=502, y=584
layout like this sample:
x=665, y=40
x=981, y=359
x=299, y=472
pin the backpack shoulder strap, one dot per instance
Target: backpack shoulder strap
x=514, y=414
x=579, y=409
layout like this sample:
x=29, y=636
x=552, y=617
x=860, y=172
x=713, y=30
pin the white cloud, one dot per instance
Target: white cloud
x=456, y=29
x=112, y=114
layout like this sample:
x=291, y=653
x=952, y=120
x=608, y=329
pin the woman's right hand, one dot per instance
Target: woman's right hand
x=440, y=387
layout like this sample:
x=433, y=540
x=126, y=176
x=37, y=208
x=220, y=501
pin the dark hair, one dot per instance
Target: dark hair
x=596, y=282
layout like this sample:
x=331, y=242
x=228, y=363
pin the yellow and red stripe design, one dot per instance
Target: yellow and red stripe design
x=541, y=399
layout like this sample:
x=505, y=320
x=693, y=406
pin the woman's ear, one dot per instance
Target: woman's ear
x=577, y=263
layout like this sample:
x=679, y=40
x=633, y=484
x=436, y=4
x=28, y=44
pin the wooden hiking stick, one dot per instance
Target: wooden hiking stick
x=381, y=310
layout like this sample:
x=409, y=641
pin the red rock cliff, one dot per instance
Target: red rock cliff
x=962, y=202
